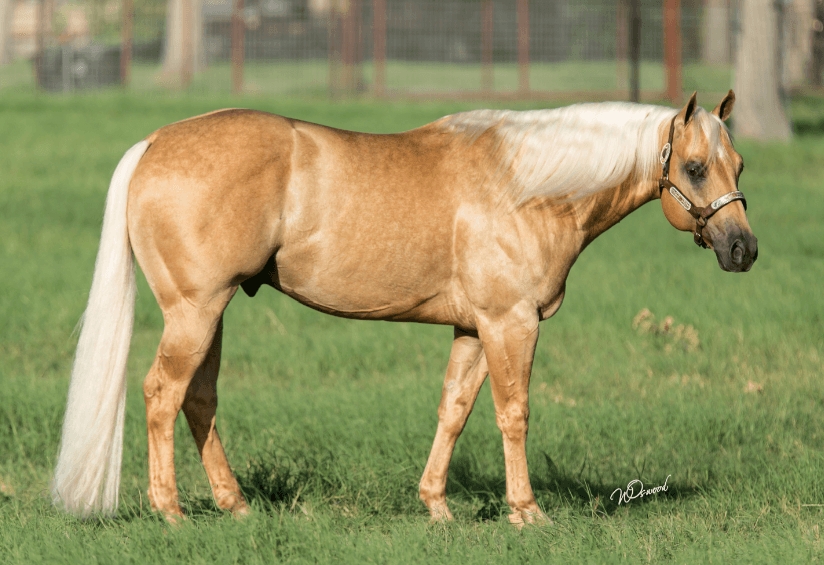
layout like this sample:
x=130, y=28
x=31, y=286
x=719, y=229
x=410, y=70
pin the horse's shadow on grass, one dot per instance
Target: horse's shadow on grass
x=272, y=483
x=575, y=490
x=276, y=483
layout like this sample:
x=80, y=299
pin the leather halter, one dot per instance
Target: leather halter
x=701, y=214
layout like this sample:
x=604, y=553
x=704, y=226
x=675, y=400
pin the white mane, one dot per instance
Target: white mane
x=578, y=150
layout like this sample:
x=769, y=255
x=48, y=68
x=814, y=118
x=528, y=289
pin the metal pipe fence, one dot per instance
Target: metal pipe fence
x=512, y=49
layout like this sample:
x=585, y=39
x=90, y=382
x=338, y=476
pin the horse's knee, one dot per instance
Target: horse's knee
x=513, y=421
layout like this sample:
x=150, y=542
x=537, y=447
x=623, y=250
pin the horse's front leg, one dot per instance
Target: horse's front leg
x=464, y=376
x=509, y=345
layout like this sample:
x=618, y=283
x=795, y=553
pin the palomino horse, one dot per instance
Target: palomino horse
x=472, y=221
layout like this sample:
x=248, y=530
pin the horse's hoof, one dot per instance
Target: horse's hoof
x=171, y=512
x=174, y=516
x=440, y=514
x=240, y=511
x=521, y=517
x=234, y=503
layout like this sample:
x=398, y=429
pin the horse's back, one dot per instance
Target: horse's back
x=355, y=224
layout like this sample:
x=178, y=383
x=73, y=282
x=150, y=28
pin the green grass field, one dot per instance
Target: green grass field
x=328, y=422
x=311, y=78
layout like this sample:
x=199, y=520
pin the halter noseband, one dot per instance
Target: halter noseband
x=700, y=214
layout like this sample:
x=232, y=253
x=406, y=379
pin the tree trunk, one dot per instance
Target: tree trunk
x=6, y=17
x=179, y=59
x=759, y=111
x=715, y=39
x=817, y=63
x=798, y=17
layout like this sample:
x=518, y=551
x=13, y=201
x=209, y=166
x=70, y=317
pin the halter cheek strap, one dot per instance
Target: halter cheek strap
x=701, y=214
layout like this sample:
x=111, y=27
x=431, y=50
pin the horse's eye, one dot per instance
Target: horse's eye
x=695, y=170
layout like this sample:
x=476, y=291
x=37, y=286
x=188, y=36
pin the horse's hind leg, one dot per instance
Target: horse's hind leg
x=199, y=406
x=188, y=336
x=464, y=376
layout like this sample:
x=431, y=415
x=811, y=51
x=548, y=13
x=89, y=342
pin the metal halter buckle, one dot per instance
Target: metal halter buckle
x=665, y=153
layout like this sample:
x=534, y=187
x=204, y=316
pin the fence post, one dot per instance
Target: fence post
x=672, y=48
x=621, y=44
x=126, y=40
x=347, y=48
x=523, y=46
x=817, y=63
x=487, y=25
x=238, y=46
x=379, y=47
x=350, y=46
x=187, y=52
x=635, y=50
x=39, y=40
x=333, y=48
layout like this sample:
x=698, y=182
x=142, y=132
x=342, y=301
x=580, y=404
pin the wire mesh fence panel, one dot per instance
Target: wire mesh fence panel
x=433, y=47
x=285, y=47
x=424, y=48
x=61, y=45
x=475, y=47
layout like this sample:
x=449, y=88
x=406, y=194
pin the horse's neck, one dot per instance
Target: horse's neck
x=599, y=212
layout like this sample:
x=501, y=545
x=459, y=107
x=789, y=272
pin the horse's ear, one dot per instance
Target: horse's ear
x=724, y=108
x=688, y=110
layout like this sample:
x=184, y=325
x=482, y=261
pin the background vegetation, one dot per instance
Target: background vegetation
x=328, y=422
x=299, y=79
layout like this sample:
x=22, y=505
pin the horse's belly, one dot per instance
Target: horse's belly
x=381, y=283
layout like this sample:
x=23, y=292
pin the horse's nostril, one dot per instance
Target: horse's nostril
x=737, y=252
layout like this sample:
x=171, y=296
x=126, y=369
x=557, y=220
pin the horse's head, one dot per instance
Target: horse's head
x=699, y=184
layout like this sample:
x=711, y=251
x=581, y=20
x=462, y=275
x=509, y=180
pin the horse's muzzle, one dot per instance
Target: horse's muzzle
x=736, y=249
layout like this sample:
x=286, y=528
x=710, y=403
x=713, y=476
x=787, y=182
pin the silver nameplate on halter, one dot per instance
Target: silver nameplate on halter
x=726, y=199
x=681, y=199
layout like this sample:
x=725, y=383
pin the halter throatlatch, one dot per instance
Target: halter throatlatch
x=701, y=214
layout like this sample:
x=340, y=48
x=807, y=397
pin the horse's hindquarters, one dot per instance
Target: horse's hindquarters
x=205, y=201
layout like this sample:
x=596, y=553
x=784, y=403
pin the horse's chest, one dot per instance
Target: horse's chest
x=553, y=305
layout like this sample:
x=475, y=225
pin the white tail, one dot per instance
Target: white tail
x=87, y=477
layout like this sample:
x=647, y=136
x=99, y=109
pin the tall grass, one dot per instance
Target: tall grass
x=328, y=422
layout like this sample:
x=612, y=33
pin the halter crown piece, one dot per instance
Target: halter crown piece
x=700, y=214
